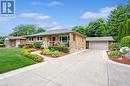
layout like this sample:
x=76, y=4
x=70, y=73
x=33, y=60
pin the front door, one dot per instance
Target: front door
x=53, y=40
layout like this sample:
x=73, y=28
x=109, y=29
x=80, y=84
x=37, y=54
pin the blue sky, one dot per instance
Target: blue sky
x=57, y=14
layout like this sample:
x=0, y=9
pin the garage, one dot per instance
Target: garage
x=100, y=43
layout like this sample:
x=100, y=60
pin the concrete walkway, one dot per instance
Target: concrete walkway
x=89, y=68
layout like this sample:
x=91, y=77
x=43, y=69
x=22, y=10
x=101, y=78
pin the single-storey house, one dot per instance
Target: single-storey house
x=14, y=41
x=98, y=42
x=69, y=38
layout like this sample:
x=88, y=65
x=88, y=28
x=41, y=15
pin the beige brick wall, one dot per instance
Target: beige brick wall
x=79, y=43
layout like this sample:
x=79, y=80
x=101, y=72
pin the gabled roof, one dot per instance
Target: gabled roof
x=57, y=31
x=110, y=38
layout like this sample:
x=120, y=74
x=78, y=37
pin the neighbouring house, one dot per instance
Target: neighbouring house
x=100, y=43
x=73, y=40
x=14, y=41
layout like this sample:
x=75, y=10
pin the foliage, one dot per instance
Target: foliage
x=79, y=29
x=23, y=30
x=34, y=57
x=26, y=46
x=46, y=51
x=95, y=28
x=37, y=44
x=124, y=28
x=2, y=45
x=40, y=29
x=1, y=39
x=116, y=17
x=124, y=50
x=60, y=48
x=11, y=58
x=21, y=45
x=114, y=46
x=125, y=41
x=117, y=24
x=115, y=53
x=128, y=27
x=55, y=53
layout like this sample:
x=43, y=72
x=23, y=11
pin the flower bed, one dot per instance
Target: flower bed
x=60, y=55
x=57, y=51
x=119, y=58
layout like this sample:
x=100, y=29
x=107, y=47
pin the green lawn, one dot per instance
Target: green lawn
x=11, y=59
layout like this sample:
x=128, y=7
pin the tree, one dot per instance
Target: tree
x=116, y=17
x=40, y=29
x=79, y=29
x=124, y=28
x=23, y=30
x=128, y=28
x=95, y=28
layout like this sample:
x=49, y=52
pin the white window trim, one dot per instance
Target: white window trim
x=63, y=36
x=38, y=38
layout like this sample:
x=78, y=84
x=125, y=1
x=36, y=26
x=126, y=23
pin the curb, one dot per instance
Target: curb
x=105, y=56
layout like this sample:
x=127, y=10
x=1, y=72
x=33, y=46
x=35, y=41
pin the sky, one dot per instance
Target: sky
x=57, y=14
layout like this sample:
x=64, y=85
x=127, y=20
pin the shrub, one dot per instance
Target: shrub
x=65, y=49
x=37, y=44
x=2, y=45
x=28, y=46
x=124, y=50
x=125, y=41
x=59, y=48
x=34, y=57
x=114, y=46
x=46, y=51
x=115, y=53
x=55, y=54
x=21, y=45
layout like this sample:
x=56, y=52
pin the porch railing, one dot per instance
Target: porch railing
x=54, y=43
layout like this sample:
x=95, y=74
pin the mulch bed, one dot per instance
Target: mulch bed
x=61, y=54
x=120, y=59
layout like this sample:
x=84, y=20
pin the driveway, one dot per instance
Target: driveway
x=89, y=68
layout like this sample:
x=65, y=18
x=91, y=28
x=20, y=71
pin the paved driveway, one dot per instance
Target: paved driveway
x=89, y=68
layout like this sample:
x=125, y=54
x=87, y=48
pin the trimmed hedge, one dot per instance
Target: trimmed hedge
x=125, y=41
x=26, y=46
x=21, y=45
x=59, y=48
x=37, y=44
x=2, y=45
x=34, y=57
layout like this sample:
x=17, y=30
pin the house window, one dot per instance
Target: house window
x=64, y=38
x=39, y=38
x=30, y=38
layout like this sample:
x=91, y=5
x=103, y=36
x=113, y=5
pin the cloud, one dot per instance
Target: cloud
x=55, y=4
x=35, y=16
x=5, y=19
x=103, y=13
x=56, y=27
x=49, y=25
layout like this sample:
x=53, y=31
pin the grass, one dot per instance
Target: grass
x=11, y=59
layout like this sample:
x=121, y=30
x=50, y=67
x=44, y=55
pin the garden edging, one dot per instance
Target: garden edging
x=105, y=56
